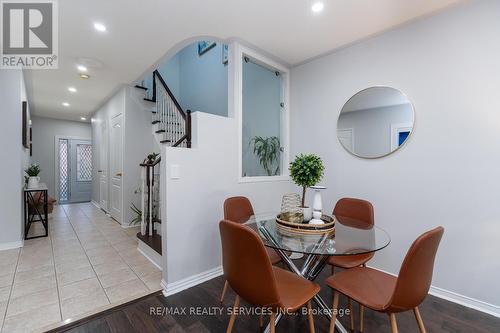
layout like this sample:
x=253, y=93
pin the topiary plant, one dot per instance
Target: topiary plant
x=306, y=171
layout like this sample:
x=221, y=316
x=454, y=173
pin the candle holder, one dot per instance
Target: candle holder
x=317, y=205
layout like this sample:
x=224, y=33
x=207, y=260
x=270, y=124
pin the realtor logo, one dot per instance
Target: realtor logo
x=29, y=34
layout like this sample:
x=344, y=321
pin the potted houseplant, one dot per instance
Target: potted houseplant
x=33, y=179
x=306, y=171
x=268, y=151
x=152, y=157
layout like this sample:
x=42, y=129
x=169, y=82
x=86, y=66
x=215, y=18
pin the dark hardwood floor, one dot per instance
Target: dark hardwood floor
x=438, y=315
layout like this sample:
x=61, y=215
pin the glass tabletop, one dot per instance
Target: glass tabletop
x=350, y=237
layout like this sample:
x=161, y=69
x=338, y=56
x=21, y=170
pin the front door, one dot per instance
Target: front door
x=116, y=164
x=75, y=170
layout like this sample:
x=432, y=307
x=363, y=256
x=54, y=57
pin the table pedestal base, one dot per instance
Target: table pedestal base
x=313, y=265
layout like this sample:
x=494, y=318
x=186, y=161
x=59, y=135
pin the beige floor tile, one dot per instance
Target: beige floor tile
x=7, y=276
x=126, y=290
x=145, y=269
x=80, y=288
x=101, y=251
x=9, y=257
x=31, y=302
x=96, y=260
x=5, y=293
x=71, y=264
x=153, y=280
x=130, y=244
x=35, y=273
x=32, y=286
x=95, y=244
x=41, y=317
x=34, y=262
x=75, y=275
x=117, y=277
x=136, y=259
x=77, y=306
x=109, y=267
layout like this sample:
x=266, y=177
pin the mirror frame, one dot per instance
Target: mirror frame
x=391, y=152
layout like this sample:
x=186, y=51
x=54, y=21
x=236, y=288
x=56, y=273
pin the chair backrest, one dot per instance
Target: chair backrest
x=415, y=275
x=237, y=209
x=246, y=265
x=357, y=211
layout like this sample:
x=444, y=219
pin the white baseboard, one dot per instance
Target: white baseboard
x=178, y=286
x=11, y=245
x=457, y=298
x=95, y=204
x=149, y=253
x=466, y=301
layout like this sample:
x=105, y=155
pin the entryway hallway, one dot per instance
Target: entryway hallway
x=88, y=263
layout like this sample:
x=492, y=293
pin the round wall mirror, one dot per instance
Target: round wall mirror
x=375, y=122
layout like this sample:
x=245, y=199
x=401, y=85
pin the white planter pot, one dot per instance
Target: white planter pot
x=33, y=182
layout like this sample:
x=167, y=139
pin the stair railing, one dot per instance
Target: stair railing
x=150, y=196
x=173, y=122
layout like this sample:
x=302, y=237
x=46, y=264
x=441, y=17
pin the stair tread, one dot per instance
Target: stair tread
x=141, y=87
x=155, y=122
x=160, y=131
x=149, y=100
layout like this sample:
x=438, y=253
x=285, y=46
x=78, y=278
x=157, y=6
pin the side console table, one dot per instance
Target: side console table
x=36, y=205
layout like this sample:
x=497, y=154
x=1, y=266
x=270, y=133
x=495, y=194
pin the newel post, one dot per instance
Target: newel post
x=188, y=128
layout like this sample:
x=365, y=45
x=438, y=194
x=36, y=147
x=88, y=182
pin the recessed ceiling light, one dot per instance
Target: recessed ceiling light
x=84, y=76
x=82, y=68
x=83, y=118
x=72, y=89
x=317, y=7
x=99, y=27
x=66, y=104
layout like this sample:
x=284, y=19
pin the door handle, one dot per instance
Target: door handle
x=119, y=174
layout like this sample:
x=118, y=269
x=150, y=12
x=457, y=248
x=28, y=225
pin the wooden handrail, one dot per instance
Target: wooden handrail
x=145, y=164
x=164, y=84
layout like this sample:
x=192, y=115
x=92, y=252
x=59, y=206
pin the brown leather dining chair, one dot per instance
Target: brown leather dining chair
x=389, y=294
x=359, y=212
x=248, y=270
x=239, y=210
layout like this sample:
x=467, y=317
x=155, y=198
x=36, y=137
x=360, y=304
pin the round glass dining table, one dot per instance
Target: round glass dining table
x=350, y=237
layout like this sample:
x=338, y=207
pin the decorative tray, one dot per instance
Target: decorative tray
x=305, y=228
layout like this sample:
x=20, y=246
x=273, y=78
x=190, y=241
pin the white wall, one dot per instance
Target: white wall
x=372, y=128
x=447, y=174
x=14, y=158
x=208, y=175
x=44, y=132
x=199, y=83
x=138, y=142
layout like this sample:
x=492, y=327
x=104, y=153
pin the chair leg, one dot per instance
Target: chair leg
x=420, y=322
x=261, y=321
x=349, y=305
x=272, y=322
x=394, y=325
x=361, y=317
x=233, y=314
x=334, y=311
x=226, y=284
x=310, y=317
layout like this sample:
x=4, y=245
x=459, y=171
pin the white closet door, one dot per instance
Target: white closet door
x=116, y=164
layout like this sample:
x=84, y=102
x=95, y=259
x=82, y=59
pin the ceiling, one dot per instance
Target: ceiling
x=139, y=33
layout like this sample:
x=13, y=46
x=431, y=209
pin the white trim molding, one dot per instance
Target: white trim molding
x=457, y=298
x=149, y=253
x=189, y=282
x=466, y=301
x=11, y=245
x=236, y=54
x=95, y=204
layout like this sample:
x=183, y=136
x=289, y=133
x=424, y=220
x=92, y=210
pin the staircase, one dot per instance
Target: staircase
x=171, y=123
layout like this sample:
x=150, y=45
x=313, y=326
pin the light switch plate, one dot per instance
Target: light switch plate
x=175, y=171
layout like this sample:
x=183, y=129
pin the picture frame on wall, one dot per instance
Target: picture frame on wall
x=225, y=54
x=204, y=46
x=25, y=131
